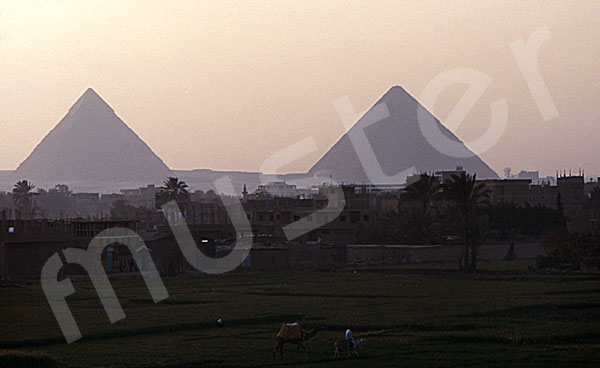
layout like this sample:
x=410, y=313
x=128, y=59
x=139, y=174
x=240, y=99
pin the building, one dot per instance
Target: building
x=323, y=217
x=572, y=195
x=26, y=246
x=508, y=190
x=590, y=186
x=446, y=175
x=571, y=189
x=142, y=197
x=280, y=189
x=543, y=194
x=533, y=175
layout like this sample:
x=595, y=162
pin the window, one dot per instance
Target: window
x=366, y=218
x=342, y=218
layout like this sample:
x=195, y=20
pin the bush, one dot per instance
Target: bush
x=570, y=249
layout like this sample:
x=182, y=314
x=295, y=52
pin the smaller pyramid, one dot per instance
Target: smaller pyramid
x=91, y=143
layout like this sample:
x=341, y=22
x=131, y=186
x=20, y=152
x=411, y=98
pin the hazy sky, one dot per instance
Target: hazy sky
x=223, y=85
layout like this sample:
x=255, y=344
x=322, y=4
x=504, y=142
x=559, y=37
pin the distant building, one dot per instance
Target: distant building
x=86, y=204
x=508, y=190
x=590, y=186
x=543, y=194
x=277, y=189
x=141, y=197
x=533, y=175
x=319, y=213
x=25, y=246
x=446, y=175
x=380, y=188
x=109, y=199
x=548, y=180
x=571, y=189
x=572, y=195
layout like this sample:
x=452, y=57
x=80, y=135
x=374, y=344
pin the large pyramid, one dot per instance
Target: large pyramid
x=398, y=145
x=91, y=143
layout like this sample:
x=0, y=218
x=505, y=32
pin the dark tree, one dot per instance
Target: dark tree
x=22, y=193
x=174, y=189
x=420, y=218
x=466, y=197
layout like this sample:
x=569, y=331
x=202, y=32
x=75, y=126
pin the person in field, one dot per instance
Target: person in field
x=350, y=340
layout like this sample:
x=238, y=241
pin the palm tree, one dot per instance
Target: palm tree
x=174, y=189
x=425, y=191
x=22, y=193
x=466, y=197
x=419, y=221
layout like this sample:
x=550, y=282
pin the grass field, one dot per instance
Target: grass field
x=413, y=316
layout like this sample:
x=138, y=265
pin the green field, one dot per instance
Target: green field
x=413, y=316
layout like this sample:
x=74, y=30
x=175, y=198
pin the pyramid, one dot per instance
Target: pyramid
x=91, y=143
x=398, y=145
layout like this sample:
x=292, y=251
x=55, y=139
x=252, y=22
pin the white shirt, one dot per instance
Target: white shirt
x=349, y=335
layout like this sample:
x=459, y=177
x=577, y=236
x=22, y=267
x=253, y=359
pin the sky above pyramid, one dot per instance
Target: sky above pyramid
x=91, y=143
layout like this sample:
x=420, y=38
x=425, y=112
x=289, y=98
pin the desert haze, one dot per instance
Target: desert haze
x=195, y=80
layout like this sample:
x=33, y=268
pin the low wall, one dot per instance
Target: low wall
x=402, y=254
x=522, y=251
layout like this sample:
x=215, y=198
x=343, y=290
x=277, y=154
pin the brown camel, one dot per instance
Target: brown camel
x=299, y=342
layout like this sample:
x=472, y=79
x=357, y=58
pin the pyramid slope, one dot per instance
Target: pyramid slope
x=398, y=144
x=91, y=143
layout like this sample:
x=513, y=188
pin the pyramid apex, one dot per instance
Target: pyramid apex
x=89, y=97
x=91, y=93
x=396, y=90
x=395, y=94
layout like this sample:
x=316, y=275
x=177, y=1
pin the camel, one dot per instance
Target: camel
x=299, y=341
x=343, y=345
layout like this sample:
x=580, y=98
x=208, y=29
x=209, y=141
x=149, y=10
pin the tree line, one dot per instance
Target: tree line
x=459, y=212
